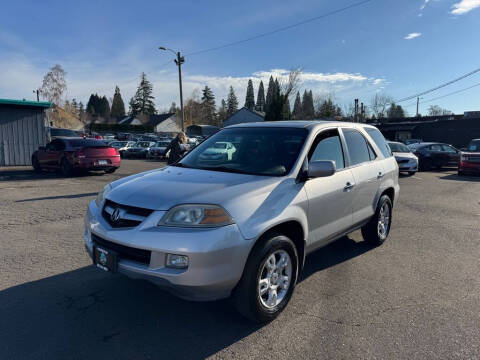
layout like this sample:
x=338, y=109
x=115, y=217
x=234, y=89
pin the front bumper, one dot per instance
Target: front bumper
x=411, y=165
x=466, y=166
x=217, y=256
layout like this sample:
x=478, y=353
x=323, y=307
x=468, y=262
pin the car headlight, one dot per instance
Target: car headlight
x=196, y=215
x=102, y=194
x=463, y=157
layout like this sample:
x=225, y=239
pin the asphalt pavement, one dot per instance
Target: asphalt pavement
x=415, y=297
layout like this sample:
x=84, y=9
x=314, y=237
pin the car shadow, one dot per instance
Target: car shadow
x=474, y=178
x=74, y=196
x=31, y=175
x=89, y=314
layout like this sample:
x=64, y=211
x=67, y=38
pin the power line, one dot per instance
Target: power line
x=281, y=29
x=439, y=87
x=449, y=94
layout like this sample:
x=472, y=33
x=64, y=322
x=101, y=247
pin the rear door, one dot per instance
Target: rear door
x=329, y=198
x=53, y=153
x=451, y=154
x=367, y=174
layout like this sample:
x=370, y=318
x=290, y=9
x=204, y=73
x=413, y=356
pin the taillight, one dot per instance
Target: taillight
x=79, y=154
x=117, y=153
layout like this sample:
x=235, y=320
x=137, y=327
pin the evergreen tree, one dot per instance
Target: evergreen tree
x=308, y=110
x=118, y=107
x=260, y=98
x=142, y=101
x=208, y=106
x=173, y=108
x=81, y=110
x=104, y=107
x=395, y=111
x=222, y=111
x=250, y=97
x=92, y=105
x=297, y=108
x=270, y=93
x=232, y=103
x=286, y=111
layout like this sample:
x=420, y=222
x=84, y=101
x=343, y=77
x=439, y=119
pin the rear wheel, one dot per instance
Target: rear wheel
x=110, y=171
x=426, y=164
x=66, y=167
x=377, y=229
x=268, y=279
x=461, y=173
x=36, y=164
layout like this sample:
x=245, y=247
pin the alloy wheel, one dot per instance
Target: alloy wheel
x=275, y=279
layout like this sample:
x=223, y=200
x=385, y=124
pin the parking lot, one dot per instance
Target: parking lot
x=415, y=297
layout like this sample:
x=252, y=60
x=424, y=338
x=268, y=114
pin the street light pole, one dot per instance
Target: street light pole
x=178, y=61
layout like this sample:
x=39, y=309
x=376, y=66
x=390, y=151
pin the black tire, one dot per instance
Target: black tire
x=36, y=164
x=426, y=164
x=66, y=167
x=110, y=171
x=411, y=173
x=461, y=173
x=246, y=295
x=371, y=232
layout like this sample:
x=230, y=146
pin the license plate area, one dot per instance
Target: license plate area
x=105, y=259
x=102, y=162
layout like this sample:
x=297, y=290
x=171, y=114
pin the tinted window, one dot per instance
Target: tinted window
x=327, y=146
x=397, y=147
x=77, y=143
x=62, y=132
x=474, y=145
x=357, y=146
x=448, y=148
x=256, y=150
x=378, y=138
x=435, y=147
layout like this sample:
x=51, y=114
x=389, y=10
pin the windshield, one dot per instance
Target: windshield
x=257, y=151
x=397, y=147
x=62, y=132
x=474, y=145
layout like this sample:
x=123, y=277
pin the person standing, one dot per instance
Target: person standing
x=178, y=147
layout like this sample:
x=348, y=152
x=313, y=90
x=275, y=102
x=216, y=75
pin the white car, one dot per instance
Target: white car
x=406, y=160
x=221, y=150
x=122, y=146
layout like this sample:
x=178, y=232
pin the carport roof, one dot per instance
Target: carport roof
x=26, y=103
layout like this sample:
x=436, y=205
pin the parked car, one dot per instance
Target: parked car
x=139, y=150
x=435, y=155
x=243, y=226
x=109, y=137
x=70, y=154
x=412, y=141
x=158, y=150
x=53, y=133
x=470, y=158
x=122, y=146
x=221, y=150
x=406, y=160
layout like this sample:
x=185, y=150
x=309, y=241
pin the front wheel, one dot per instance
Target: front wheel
x=268, y=279
x=411, y=173
x=377, y=229
x=36, y=164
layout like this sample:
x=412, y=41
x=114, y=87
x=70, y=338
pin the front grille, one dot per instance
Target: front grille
x=404, y=161
x=131, y=216
x=124, y=252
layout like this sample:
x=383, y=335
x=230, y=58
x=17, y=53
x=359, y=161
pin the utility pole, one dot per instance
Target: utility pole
x=355, y=117
x=178, y=61
x=418, y=100
x=38, y=97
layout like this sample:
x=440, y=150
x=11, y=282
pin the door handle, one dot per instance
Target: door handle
x=380, y=175
x=348, y=186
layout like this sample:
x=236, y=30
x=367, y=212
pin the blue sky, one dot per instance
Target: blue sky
x=355, y=53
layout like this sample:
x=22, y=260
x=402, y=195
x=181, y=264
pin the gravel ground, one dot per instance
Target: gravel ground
x=415, y=297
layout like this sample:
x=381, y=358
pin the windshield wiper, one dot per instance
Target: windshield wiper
x=223, y=169
x=178, y=164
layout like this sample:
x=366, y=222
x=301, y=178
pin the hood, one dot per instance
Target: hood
x=402, y=155
x=164, y=188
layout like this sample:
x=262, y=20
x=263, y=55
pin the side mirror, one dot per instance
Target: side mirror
x=321, y=168
x=42, y=148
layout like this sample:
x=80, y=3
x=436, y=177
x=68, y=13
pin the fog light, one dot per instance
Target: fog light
x=177, y=261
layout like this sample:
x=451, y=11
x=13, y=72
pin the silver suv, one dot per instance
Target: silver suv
x=241, y=225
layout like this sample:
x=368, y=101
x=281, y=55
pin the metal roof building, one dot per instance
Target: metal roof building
x=22, y=130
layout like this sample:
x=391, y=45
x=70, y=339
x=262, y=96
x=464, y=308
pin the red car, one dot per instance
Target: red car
x=470, y=158
x=69, y=154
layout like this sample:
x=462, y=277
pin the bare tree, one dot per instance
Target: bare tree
x=54, y=85
x=435, y=110
x=379, y=104
x=290, y=87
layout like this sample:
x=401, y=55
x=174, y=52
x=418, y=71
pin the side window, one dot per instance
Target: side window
x=55, y=145
x=371, y=152
x=378, y=138
x=448, y=148
x=328, y=146
x=435, y=147
x=357, y=146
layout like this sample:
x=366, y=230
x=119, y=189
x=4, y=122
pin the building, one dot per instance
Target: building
x=22, y=130
x=201, y=130
x=457, y=130
x=164, y=123
x=244, y=115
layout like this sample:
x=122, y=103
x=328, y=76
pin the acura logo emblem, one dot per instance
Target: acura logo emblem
x=115, y=215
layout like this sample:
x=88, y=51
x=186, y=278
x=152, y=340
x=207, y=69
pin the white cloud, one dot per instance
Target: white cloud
x=464, y=6
x=412, y=35
x=424, y=5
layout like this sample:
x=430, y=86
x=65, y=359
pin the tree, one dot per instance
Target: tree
x=232, y=102
x=54, y=85
x=270, y=93
x=193, y=109
x=222, y=111
x=279, y=108
x=435, y=110
x=260, y=98
x=297, y=108
x=81, y=111
x=118, y=107
x=208, y=106
x=395, y=111
x=142, y=101
x=308, y=110
x=250, y=97
x=379, y=104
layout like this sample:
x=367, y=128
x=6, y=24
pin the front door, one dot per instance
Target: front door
x=329, y=198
